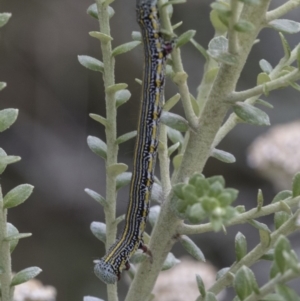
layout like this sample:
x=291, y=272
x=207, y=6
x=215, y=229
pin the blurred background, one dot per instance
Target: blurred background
x=55, y=94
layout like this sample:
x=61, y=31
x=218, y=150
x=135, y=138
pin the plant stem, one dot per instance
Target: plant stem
x=232, y=33
x=111, y=134
x=281, y=10
x=240, y=219
x=5, y=259
x=180, y=76
x=288, y=227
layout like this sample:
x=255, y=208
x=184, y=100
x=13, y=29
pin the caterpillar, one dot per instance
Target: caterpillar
x=109, y=267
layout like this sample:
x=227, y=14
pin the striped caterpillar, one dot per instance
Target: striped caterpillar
x=109, y=268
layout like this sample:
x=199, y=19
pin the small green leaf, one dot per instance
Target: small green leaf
x=91, y=63
x=4, y=18
x=263, y=78
x=201, y=286
x=25, y=275
x=2, y=85
x=116, y=87
x=264, y=103
x=100, y=36
x=126, y=137
x=123, y=179
x=170, y=261
x=243, y=26
x=240, y=246
x=96, y=196
x=99, y=118
x=119, y=219
x=251, y=2
x=195, y=105
x=268, y=255
x=217, y=49
x=260, y=200
x=285, y=26
x=296, y=185
x=175, y=26
x=218, y=25
x=154, y=214
x=177, y=161
x=285, y=45
x=280, y=218
x=5, y=160
x=116, y=169
x=97, y=146
x=223, y=156
x=287, y=293
x=93, y=11
x=11, y=230
x=17, y=195
x=281, y=245
x=281, y=196
x=125, y=48
x=7, y=118
x=200, y=49
x=171, y=102
x=99, y=230
x=295, y=86
x=222, y=8
x=244, y=283
x=210, y=297
x=258, y=225
x=175, y=136
x=265, y=238
x=265, y=66
x=17, y=236
x=192, y=248
x=138, y=81
x=221, y=273
x=122, y=96
x=174, y=121
x=136, y=36
x=251, y=114
x=185, y=38
x=89, y=298
x=173, y=148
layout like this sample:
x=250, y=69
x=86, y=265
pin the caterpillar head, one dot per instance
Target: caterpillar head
x=105, y=272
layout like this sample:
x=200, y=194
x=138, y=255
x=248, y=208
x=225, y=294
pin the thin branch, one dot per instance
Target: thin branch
x=269, y=86
x=240, y=219
x=255, y=254
x=180, y=76
x=281, y=10
x=111, y=135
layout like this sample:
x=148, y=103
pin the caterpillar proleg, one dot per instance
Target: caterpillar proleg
x=109, y=268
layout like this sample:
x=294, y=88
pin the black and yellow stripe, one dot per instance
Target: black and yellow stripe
x=109, y=268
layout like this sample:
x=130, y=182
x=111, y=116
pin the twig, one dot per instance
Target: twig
x=111, y=135
x=240, y=219
x=269, y=86
x=281, y=10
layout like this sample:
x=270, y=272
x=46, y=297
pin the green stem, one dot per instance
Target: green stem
x=5, y=259
x=288, y=227
x=233, y=44
x=111, y=135
x=282, y=10
x=240, y=219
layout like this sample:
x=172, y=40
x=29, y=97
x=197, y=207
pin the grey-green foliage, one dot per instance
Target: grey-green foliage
x=205, y=202
x=203, y=198
x=9, y=234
